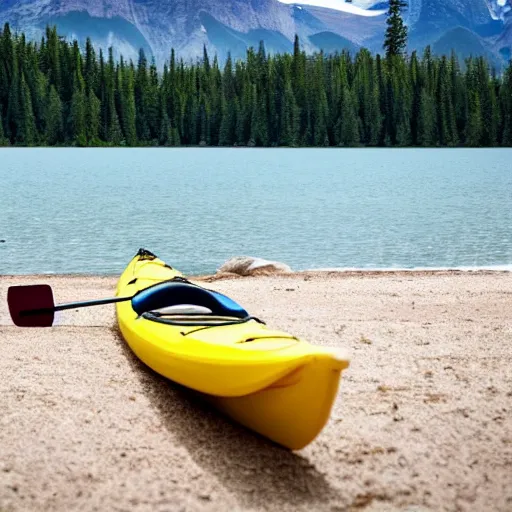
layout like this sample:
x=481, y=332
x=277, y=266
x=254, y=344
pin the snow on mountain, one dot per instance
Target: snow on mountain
x=338, y=5
x=413, y=11
x=499, y=8
x=365, y=4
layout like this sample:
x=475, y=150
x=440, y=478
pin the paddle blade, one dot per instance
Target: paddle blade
x=31, y=306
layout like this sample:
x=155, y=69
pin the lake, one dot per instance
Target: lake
x=90, y=210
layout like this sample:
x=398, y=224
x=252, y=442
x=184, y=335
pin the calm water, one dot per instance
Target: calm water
x=89, y=210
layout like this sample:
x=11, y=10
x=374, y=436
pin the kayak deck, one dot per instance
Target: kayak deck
x=268, y=380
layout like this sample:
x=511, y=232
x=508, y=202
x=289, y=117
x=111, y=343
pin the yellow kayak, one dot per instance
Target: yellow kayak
x=268, y=380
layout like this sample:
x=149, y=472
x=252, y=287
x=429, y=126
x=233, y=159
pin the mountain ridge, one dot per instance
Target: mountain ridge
x=234, y=25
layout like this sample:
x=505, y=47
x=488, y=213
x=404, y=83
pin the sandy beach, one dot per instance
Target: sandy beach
x=423, y=418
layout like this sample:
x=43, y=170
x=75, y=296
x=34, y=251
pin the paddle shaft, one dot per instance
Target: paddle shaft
x=74, y=305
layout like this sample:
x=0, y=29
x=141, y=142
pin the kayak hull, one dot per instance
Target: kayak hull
x=291, y=412
x=267, y=380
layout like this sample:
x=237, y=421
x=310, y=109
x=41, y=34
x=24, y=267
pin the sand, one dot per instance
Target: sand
x=422, y=420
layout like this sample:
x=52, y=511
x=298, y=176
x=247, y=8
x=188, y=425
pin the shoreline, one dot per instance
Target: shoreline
x=334, y=272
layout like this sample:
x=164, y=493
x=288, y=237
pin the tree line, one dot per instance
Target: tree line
x=54, y=93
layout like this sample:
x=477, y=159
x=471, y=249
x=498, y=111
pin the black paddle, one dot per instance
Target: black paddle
x=33, y=305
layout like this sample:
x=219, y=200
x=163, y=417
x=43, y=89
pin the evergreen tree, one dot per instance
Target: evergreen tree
x=152, y=112
x=256, y=121
x=190, y=120
x=227, y=131
x=366, y=88
x=474, y=128
x=77, y=115
x=240, y=125
x=141, y=98
x=458, y=93
x=206, y=61
x=259, y=135
x=90, y=69
x=395, y=41
x=426, y=120
x=26, y=128
x=38, y=85
x=13, y=111
x=113, y=132
x=70, y=64
x=245, y=107
x=319, y=102
x=203, y=122
x=128, y=106
x=7, y=62
x=385, y=103
x=92, y=118
x=489, y=104
x=417, y=83
x=298, y=75
x=228, y=123
x=506, y=107
x=491, y=111
x=53, y=58
x=78, y=108
x=54, y=132
x=290, y=119
x=348, y=124
x=170, y=90
x=166, y=135
x=4, y=141
x=102, y=95
x=446, y=121
x=428, y=71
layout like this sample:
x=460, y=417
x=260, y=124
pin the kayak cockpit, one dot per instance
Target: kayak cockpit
x=179, y=292
x=179, y=302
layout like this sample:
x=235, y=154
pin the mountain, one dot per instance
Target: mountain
x=474, y=26
x=466, y=43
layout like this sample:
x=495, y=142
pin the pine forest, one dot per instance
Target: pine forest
x=54, y=93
